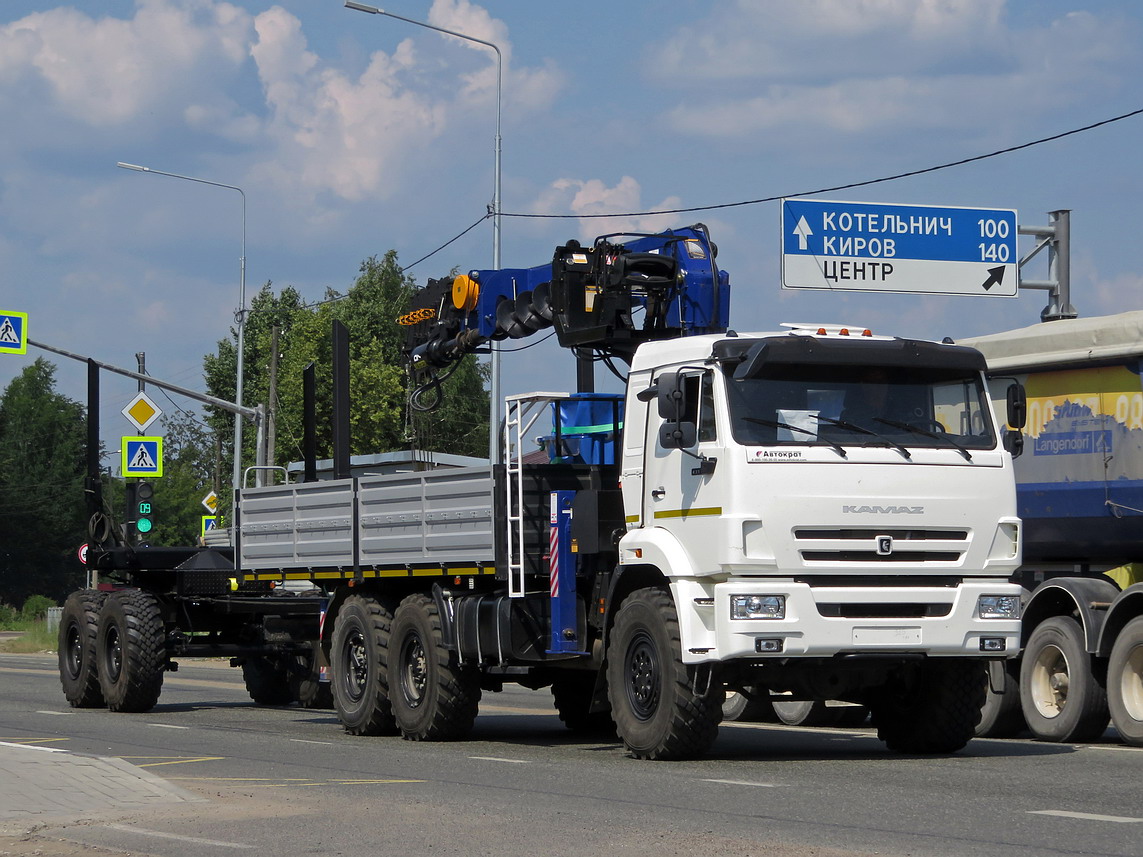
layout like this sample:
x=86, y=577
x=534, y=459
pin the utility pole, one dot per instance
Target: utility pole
x=272, y=405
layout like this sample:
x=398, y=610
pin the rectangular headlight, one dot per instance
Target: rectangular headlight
x=998, y=607
x=757, y=606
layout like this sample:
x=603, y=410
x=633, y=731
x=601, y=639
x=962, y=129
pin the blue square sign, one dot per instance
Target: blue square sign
x=13, y=332
x=142, y=456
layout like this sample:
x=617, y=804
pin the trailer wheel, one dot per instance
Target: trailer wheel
x=936, y=712
x=359, y=655
x=658, y=711
x=1060, y=695
x=572, y=693
x=1125, y=683
x=434, y=698
x=267, y=681
x=306, y=686
x=130, y=650
x=807, y=712
x=751, y=704
x=1001, y=715
x=79, y=624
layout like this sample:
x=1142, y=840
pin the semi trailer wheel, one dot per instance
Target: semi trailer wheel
x=1125, y=683
x=79, y=624
x=267, y=681
x=936, y=711
x=130, y=650
x=306, y=686
x=359, y=660
x=434, y=698
x=1061, y=698
x=658, y=711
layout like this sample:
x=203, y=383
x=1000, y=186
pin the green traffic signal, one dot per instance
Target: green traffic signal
x=144, y=510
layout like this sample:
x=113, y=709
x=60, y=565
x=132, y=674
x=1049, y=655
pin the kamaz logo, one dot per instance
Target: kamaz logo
x=883, y=510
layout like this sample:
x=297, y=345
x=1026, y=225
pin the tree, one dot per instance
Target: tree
x=42, y=513
x=380, y=420
x=189, y=467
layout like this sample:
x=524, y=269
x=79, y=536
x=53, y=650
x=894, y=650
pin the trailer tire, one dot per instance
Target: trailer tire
x=1061, y=697
x=572, y=694
x=1001, y=715
x=752, y=703
x=130, y=650
x=358, y=658
x=936, y=713
x=809, y=712
x=267, y=681
x=306, y=686
x=434, y=697
x=1125, y=683
x=658, y=712
x=79, y=625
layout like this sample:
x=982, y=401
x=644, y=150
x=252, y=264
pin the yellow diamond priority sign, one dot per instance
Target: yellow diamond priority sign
x=141, y=411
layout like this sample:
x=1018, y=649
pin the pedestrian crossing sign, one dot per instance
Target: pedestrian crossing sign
x=142, y=456
x=209, y=522
x=13, y=332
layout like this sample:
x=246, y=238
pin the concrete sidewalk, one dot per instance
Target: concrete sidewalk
x=40, y=783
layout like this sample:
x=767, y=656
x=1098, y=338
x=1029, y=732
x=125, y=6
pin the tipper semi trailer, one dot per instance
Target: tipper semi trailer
x=818, y=512
x=1080, y=495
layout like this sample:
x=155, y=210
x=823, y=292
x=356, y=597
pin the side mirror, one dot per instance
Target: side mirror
x=1014, y=442
x=1017, y=406
x=678, y=430
x=677, y=435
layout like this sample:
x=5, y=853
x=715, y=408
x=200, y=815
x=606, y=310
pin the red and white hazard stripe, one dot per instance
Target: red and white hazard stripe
x=554, y=561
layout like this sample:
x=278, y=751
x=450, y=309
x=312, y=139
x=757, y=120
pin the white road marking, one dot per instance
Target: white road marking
x=1086, y=816
x=1120, y=747
x=498, y=759
x=195, y=839
x=304, y=741
x=167, y=726
x=56, y=713
x=743, y=783
x=33, y=747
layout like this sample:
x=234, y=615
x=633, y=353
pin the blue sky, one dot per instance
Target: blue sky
x=353, y=134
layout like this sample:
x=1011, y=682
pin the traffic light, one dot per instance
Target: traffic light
x=144, y=508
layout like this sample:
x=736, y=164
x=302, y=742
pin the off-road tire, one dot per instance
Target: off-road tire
x=306, y=686
x=751, y=704
x=807, y=712
x=358, y=660
x=936, y=711
x=1061, y=696
x=1125, y=683
x=130, y=650
x=658, y=712
x=572, y=693
x=79, y=624
x=267, y=681
x=434, y=698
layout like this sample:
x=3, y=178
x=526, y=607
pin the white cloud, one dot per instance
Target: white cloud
x=593, y=196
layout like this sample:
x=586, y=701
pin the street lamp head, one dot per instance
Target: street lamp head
x=361, y=7
x=135, y=167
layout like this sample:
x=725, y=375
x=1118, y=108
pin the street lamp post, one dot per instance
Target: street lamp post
x=494, y=404
x=240, y=316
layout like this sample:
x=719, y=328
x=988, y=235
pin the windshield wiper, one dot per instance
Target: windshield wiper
x=853, y=427
x=836, y=447
x=934, y=435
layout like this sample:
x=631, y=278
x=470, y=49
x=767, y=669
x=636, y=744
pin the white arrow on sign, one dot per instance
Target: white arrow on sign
x=803, y=231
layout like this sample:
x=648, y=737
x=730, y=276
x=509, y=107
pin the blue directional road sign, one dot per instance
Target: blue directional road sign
x=142, y=456
x=13, y=332
x=864, y=246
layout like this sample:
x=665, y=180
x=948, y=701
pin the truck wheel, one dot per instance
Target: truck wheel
x=804, y=713
x=936, y=713
x=267, y=681
x=130, y=650
x=751, y=704
x=658, y=712
x=306, y=686
x=434, y=698
x=1125, y=683
x=359, y=655
x=1061, y=698
x=79, y=624
x=572, y=694
x=1001, y=715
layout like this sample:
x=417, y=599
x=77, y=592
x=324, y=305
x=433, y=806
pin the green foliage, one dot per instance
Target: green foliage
x=42, y=515
x=379, y=421
x=36, y=607
x=8, y=617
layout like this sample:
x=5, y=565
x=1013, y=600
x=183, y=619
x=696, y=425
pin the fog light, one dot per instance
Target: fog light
x=993, y=644
x=757, y=606
x=998, y=606
x=768, y=646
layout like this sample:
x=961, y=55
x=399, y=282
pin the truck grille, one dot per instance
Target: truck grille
x=866, y=545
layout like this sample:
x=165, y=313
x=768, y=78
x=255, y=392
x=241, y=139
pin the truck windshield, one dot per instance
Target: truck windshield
x=914, y=407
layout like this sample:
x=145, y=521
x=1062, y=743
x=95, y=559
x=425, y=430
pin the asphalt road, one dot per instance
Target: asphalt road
x=290, y=782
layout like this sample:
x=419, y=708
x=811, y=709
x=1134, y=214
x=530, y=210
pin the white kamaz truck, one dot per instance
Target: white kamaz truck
x=817, y=511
